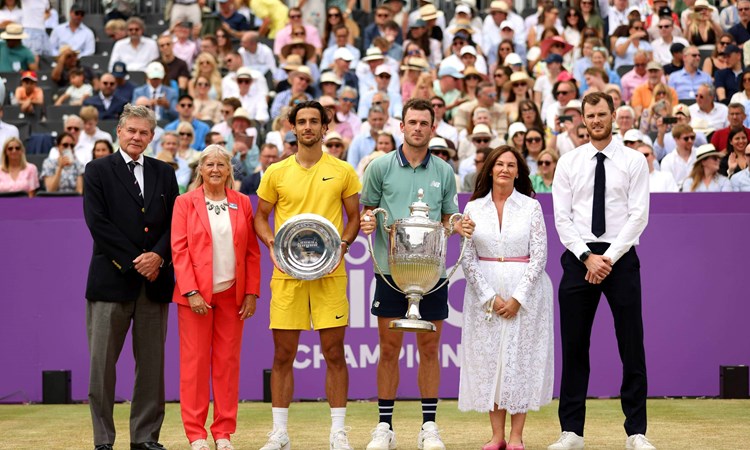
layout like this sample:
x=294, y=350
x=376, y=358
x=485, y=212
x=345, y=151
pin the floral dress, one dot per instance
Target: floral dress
x=508, y=362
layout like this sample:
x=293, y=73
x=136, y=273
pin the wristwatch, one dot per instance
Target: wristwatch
x=584, y=256
x=191, y=293
x=348, y=244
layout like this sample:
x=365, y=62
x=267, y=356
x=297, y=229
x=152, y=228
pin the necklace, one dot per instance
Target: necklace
x=217, y=207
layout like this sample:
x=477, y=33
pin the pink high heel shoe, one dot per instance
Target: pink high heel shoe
x=500, y=446
x=515, y=447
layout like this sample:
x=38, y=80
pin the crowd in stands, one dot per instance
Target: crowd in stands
x=228, y=71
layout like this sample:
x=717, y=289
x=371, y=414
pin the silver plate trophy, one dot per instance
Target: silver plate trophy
x=307, y=246
x=416, y=256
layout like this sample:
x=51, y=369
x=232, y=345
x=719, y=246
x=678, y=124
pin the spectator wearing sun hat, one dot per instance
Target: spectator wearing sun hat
x=299, y=79
x=704, y=175
x=14, y=56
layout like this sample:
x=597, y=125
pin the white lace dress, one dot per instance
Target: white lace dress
x=508, y=362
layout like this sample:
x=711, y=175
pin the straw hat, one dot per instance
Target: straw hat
x=13, y=31
x=517, y=77
x=309, y=49
x=416, y=63
x=439, y=144
x=704, y=151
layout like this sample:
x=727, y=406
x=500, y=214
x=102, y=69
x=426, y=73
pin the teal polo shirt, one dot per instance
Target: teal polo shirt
x=20, y=55
x=392, y=184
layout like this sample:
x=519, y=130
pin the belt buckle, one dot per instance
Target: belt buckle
x=502, y=259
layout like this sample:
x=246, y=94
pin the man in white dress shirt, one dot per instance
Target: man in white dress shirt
x=135, y=51
x=255, y=54
x=714, y=113
x=601, y=202
x=680, y=162
x=658, y=181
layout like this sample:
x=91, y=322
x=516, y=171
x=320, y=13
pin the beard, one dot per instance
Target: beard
x=600, y=134
x=417, y=142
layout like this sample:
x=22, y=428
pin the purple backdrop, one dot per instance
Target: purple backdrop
x=693, y=257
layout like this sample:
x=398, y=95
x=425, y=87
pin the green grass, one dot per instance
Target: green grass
x=673, y=424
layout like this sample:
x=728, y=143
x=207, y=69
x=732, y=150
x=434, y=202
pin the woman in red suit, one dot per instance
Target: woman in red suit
x=217, y=266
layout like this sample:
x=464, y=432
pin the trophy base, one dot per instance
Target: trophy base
x=417, y=326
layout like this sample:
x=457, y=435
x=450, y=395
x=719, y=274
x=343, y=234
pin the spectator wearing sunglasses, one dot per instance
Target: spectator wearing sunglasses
x=626, y=47
x=741, y=180
x=62, y=172
x=73, y=33
x=704, y=175
x=658, y=181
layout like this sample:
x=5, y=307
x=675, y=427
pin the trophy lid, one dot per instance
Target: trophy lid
x=420, y=208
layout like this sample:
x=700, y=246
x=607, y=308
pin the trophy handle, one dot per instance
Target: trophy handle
x=452, y=222
x=377, y=211
x=372, y=253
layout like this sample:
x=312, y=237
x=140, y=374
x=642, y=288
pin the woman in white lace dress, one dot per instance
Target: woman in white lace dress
x=507, y=339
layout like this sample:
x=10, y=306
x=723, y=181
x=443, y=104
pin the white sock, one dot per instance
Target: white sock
x=280, y=418
x=338, y=416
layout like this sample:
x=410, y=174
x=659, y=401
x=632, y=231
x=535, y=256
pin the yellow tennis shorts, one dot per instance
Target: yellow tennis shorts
x=296, y=304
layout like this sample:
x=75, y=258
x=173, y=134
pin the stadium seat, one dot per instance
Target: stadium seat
x=51, y=127
x=14, y=194
x=104, y=47
x=137, y=78
x=622, y=70
x=96, y=62
x=58, y=112
x=37, y=159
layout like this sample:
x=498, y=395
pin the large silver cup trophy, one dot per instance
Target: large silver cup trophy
x=416, y=256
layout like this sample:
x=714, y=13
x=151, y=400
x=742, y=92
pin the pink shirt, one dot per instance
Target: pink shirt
x=629, y=82
x=284, y=36
x=186, y=51
x=28, y=180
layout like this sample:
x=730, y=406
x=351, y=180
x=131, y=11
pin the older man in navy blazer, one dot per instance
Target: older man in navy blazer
x=127, y=203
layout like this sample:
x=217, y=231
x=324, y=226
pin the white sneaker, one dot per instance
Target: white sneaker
x=199, y=444
x=638, y=442
x=383, y=438
x=568, y=441
x=339, y=440
x=277, y=440
x=224, y=444
x=429, y=437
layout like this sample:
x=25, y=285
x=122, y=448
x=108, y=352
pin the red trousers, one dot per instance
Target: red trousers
x=210, y=357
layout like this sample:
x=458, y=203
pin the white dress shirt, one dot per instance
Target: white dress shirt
x=717, y=118
x=659, y=181
x=135, y=58
x=678, y=167
x=138, y=170
x=262, y=60
x=626, y=198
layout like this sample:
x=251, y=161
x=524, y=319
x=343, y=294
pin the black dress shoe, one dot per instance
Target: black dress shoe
x=103, y=447
x=147, y=446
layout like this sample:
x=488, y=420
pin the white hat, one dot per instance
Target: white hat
x=373, y=54
x=438, y=143
x=466, y=10
x=481, y=130
x=499, y=5
x=632, y=135
x=245, y=72
x=701, y=4
x=468, y=49
x=383, y=68
x=512, y=59
x=343, y=53
x=515, y=128
x=706, y=150
x=506, y=24
x=154, y=70
x=330, y=77
x=573, y=104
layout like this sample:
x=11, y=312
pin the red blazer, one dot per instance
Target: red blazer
x=192, y=251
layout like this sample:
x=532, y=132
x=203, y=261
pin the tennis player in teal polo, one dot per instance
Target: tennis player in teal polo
x=391, y=182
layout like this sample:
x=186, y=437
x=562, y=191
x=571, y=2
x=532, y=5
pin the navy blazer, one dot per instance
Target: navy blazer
x=115, y=106
x=250, y=184
x=167, y=113
x=123, y=226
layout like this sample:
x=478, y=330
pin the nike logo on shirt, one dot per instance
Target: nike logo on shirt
x=327, y=178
